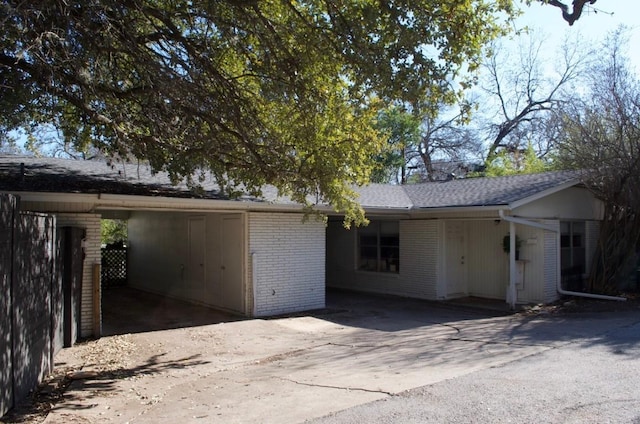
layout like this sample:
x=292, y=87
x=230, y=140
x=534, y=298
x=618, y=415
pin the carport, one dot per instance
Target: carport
x=193, y=256
x=250, y=256
x=180, y=265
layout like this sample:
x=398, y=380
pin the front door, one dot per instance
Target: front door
x=456, y=259
x=232, y=260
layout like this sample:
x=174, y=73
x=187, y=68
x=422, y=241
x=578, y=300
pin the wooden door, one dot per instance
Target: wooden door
x=456, y=259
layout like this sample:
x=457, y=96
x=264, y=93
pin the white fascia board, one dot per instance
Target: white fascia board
x=128, y=202
x=458, y=209
x=543, y=193
x=368, y=209
x=111, y=201
x=387, y=212
x=422, y=212
x=35, y=196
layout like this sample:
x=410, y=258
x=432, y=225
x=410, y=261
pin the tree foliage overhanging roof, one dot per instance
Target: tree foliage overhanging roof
x=256, y=92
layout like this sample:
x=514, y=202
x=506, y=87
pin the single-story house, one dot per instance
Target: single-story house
x=259, y=257
x=457, y=238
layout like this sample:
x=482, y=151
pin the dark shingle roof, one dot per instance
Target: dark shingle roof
x=494, y=191
x=79, y=176
x=383, y=196
x=71, y=176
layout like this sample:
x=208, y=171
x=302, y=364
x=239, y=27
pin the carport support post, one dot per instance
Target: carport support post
x=97, y=301
x=512, y=266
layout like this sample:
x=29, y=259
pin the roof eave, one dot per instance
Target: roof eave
x=104, y=201
x=186, y=203
x=474, y=208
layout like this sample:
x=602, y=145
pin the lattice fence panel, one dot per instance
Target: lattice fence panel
x=114, y=267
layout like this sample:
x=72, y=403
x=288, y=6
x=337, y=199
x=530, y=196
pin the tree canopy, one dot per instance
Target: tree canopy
x=252, y=92
x=255, y=92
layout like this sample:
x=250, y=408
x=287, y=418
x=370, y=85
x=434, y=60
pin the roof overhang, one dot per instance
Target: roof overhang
x=105, y=202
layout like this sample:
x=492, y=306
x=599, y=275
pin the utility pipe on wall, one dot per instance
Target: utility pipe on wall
x=572, y=293
x=512, y=274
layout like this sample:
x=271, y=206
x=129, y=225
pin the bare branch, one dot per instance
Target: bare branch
x=573, y=16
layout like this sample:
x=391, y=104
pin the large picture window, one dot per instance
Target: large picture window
x=379, y=247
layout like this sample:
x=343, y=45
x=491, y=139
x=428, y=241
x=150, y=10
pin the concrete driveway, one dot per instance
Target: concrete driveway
x=287, y=370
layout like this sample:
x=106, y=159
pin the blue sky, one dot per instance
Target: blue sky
x=593, y=25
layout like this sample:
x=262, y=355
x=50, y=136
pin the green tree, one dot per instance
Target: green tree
x=523, y=161
x=415, y=143
x=401, y=130
x=113, y=231
x=254, y=92
x=9, y=144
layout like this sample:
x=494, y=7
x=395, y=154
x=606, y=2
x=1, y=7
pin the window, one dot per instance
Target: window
x=379, y=247
x=572, y=246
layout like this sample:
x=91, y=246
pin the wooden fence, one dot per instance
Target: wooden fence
x=31, y=300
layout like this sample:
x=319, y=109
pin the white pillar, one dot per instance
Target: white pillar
x=511, y=299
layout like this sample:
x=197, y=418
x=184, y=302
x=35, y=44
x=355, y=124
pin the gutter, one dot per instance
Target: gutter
x=104, y=201
x=512, y=262
x=476, y=208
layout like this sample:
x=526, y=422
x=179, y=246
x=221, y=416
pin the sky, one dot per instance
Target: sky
x=596, y=21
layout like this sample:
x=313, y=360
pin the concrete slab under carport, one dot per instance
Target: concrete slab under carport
x=128, y=310
x=290, y=369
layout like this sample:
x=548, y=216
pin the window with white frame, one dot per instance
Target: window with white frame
x=379, y=247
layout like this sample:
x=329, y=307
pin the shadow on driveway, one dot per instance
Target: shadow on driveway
x=127, y=310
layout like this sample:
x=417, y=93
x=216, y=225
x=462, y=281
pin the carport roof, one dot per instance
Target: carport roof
x=26, y=173
x=37, y=174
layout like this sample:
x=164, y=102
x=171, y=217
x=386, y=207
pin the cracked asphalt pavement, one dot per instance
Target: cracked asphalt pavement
x=589, y=380
x=364, y=359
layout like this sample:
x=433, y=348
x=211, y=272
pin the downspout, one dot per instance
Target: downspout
x=514, y=220
x=590, y=295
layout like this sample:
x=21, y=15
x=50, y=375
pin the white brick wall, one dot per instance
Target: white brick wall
x=289, y=260
x=419, y=258
x=91, y=224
